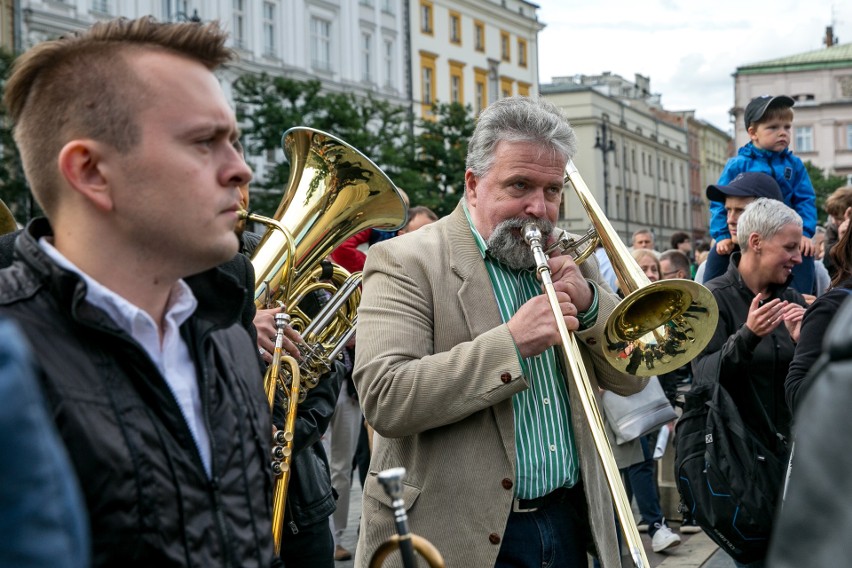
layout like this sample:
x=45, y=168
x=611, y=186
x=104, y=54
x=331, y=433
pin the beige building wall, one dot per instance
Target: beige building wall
x=821, y=83
x=648, y=169
x=7, y=25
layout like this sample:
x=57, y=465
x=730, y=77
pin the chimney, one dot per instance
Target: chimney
x=830, y=38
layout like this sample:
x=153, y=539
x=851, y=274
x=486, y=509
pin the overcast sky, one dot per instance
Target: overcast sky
x=688, y=48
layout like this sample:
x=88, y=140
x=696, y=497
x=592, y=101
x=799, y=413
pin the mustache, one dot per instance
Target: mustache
x=544, y=225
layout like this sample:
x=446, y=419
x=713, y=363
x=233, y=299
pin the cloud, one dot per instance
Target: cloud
x=690, y=50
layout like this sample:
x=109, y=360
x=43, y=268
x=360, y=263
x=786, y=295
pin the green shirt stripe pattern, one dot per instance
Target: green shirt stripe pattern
x=546, y=454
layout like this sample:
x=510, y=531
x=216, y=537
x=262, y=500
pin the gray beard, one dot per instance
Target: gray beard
x=510, y=248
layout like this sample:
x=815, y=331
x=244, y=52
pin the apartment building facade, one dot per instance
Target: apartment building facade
x=635, y=164
x=472, y=52
x=821, y=83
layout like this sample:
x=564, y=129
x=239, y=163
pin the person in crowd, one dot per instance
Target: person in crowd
x=822, y=279
x=643, y=239
x=306, y=538
x=42, y=515
x=836, y=205
x=605, y=266
x=418, y=216
x=816, y=321
x=154, y=385
x=648, y=262
x=702, y=249
x=769, y=122
x=675, y=264
x=681, y=241
x=810, y=527
x=340, y=443
x=456, y=365
x=734, y=197
x=759, y=320
x=640, y=477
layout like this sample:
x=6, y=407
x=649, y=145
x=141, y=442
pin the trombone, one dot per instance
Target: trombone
x=657, y=328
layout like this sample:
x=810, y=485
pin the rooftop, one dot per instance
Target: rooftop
x=836, y=56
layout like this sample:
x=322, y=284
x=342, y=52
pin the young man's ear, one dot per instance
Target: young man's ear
x=80, y=163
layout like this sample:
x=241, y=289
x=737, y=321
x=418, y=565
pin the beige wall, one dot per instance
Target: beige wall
x=824, y=104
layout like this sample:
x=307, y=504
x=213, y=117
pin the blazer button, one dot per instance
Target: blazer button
x=506, y=377
x=494, y=538
x=591, y=341
x=506, y=483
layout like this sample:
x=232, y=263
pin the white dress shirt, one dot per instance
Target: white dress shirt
x=171, y=355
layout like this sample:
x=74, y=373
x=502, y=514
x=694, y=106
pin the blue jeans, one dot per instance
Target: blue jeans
x=555, y=536
x=640, y=481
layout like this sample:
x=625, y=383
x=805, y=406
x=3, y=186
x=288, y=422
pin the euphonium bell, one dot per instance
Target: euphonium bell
x=334, y=192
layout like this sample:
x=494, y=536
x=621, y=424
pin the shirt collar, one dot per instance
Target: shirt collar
x=180, y=306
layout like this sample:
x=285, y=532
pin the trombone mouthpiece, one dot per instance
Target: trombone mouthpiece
x=391, y=480
x=531, y=233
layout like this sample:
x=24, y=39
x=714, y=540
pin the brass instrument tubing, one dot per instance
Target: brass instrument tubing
x=572, y=357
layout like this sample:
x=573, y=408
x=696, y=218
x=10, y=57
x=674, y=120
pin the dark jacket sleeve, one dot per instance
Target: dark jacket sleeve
x=731, y=346
x=814, y=325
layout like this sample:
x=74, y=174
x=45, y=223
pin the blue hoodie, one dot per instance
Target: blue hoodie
x=787, y=169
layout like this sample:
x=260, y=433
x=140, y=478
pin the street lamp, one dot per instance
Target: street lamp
x=605, y=144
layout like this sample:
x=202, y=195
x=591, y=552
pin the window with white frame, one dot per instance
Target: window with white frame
x=320, y=44
x=388, y=6
x=389, y=63
x=101, y=6
x=804, y=139
x=455, y=89
x=428, y=79
x=849, y=136
x=269, y=13
x=238, y=31
x=366, y=57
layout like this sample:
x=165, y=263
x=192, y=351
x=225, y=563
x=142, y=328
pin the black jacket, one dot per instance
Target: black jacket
x=748, y=357
x=149, y=498
x=814, y=325
x=810, y=529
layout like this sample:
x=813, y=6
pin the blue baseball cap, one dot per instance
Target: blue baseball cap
x=746, y=184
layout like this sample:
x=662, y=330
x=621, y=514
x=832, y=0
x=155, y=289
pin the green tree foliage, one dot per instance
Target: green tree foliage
x=429, y=166
x=441, y=149
x=824, y=185
x=13, y=187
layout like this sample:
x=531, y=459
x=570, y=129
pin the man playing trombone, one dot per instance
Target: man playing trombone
x=458, y=373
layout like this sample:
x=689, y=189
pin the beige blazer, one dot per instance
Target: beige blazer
x=435, y=370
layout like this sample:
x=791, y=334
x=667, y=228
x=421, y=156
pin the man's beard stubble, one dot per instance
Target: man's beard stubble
x=506, y=244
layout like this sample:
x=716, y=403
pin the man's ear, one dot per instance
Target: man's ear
x=80, y=163
x=470, y=187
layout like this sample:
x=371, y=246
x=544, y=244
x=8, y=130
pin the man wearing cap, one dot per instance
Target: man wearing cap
x=769, y=121
x=732, y=199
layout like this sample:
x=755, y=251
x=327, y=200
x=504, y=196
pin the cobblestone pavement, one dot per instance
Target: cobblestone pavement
x=696, y=550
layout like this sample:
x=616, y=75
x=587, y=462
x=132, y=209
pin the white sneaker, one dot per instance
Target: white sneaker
x=664, y=538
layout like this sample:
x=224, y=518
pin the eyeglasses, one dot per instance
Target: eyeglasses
x=669, y=274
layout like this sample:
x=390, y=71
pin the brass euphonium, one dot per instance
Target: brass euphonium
x=333, y=192
x=666, y=324
x=7, y=220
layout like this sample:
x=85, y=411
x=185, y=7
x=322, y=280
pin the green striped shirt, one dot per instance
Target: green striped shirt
x=546, y=455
